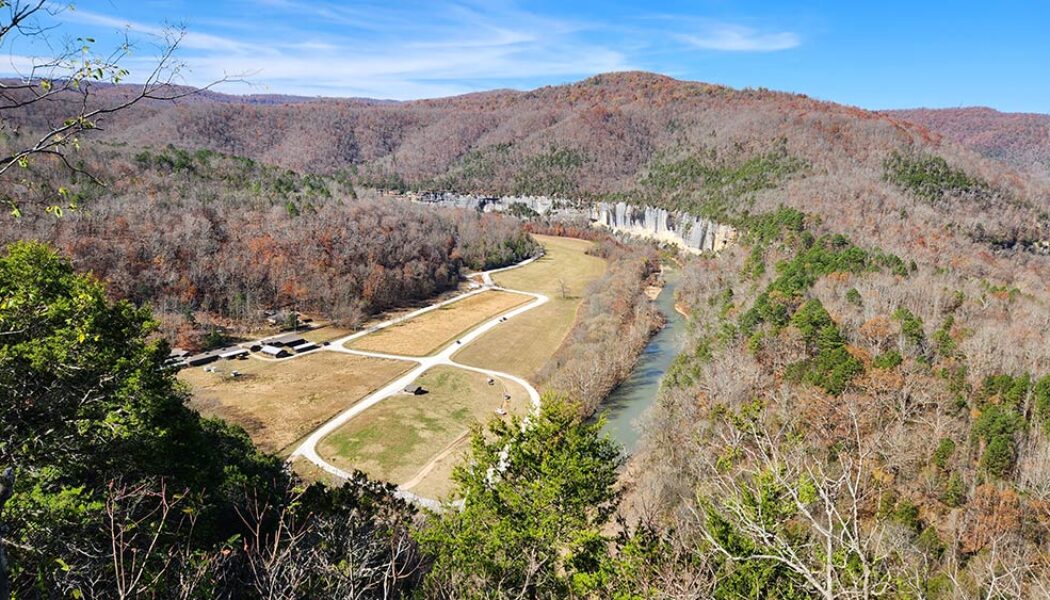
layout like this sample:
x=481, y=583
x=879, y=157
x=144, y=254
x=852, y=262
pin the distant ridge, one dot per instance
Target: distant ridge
x=1019, y=139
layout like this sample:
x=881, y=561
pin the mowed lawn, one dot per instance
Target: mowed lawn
x=523, y=344
x=278, y=402
x=399, y=437
x=432, y=331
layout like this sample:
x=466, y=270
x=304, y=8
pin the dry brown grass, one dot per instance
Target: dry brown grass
x=438, y=483
x=278, y=402
x=326, y=333
x=432, y=331
x=523, y=344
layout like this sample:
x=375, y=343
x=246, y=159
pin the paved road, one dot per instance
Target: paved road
x=308, y=448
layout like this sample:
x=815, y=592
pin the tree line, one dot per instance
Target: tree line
x=212, y=241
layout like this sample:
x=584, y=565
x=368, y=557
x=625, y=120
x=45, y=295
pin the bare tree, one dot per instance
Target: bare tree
x=838, y=556
x=71, y=76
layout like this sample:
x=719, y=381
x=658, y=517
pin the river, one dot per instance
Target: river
x=638, y=392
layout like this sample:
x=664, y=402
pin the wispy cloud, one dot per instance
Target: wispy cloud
x=735, y=38
x=410, y=49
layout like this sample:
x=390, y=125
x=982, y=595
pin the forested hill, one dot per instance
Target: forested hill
x=644, y=138
x=1018, y=139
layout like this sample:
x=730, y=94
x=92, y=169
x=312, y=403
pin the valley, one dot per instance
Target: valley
x=626, y=337
x=413, y=433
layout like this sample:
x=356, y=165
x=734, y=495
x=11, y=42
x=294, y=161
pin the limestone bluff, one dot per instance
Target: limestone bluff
x=689, y=232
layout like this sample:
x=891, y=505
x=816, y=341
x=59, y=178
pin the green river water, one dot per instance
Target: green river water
x=625, y=407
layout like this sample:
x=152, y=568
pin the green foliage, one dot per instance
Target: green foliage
x=1007, y=389
x=812, y=319
x=958, y=385
x=829, y=254
x=943, y=454
x=954, y=491
x=996, y=427
x=85, y=399
x=551, y=173
x=911, y=330
x=853, y=297
x=1041, y=401
x=930, y=543
x=999, y=456
x=830, y=366
x=930, y=178
x=538, y=494
x=522, y=211
x=265, y=182
x=704, y=184
x=765, y=502
x=942, y=338
x=216, y=338
x=755, y=265
x=907, y=513
x=765, y=228
x=995, y=421
x=891, y=359
x=685, y=368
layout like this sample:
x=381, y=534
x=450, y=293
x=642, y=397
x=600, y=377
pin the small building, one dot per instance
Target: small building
x=416, y=390
x=202, y=359
x=304, y=347
x=288, y=339
x=282, y=317
x=231, y=353
x=273, y=351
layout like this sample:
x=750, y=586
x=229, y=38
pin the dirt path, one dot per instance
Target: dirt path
x=427, y=468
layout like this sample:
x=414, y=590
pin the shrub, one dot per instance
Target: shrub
x=943, y=453
x=911, y=329
x=999, y=456
x=996, y=427
x=954, y=491
x=888, y=360
x=853, y=297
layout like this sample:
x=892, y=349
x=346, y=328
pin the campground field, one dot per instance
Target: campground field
x=278, y=402
x=522, y=345
x=397, y=438
x=414, y=441
x=432, y=331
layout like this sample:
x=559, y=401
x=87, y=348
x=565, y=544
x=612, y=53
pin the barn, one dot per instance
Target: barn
x=288, y=339
x=273, y=351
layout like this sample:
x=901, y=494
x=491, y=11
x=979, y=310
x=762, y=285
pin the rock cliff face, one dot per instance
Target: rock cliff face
x=541, y=205
x=681, y=229
x=688, y=232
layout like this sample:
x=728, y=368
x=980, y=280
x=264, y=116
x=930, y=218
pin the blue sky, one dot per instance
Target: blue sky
x=886, y=54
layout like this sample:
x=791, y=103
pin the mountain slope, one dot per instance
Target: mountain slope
x=1018, y=139
x=634, y=136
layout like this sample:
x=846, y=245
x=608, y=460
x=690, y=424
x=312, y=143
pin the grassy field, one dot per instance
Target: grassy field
x=398, y=437
x=523, y=344
x=431, y=331
x=437, y=483
x=325, y=334
x=277, y=402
